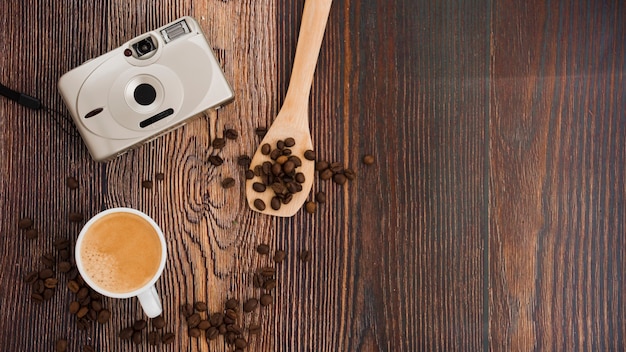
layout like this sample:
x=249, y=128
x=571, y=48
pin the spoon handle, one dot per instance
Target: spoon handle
x=314, y=18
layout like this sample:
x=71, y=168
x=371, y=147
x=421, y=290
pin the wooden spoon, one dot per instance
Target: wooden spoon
x=292, y=120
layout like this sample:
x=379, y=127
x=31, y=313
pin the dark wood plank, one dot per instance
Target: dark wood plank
x=557, y=176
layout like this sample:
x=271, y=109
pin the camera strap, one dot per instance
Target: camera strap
x=35, y=104
x=21, y=98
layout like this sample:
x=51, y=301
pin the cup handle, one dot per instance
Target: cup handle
x=150, y=302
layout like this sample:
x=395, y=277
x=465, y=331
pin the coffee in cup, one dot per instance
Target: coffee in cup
x=121, y=253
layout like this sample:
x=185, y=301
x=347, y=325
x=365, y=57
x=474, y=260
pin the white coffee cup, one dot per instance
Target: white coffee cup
x=121, y=253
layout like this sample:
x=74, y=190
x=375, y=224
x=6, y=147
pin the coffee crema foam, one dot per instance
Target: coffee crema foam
x=121, y=252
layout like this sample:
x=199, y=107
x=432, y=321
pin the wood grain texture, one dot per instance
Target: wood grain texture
x=493, y=218
x=557, y=176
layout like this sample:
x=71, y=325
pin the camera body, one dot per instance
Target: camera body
x=152, y=84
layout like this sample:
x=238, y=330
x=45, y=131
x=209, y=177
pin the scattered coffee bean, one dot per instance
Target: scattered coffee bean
x=25, y=223
x=201, y=306
x=231, y=133
x=64, y=267
x=46, y=273
x=244, y=161
x=88, y=348
x=254, y=329
x=60, y=345
x=269, y=284
x=126, y=333
x=194, y=320
x=231, y=316
x=154, y=338
x=103, y=316
x=71, y=182
x=261, y=131
x=267, y=271
x=216, y=160
x=168, y=338
x=263, y=249
x=137, y=340
x=34, y=275
x=265, y=300
x=73, y=286
x=305, y=255
x=147, y=184
x=204, y=325
x=310, y=207
x=250, y=304
x=51, y=282
x=97, y=307
x=158, y=322
x=368, y=159
x=187, y=310
x=275, y=203
x=249, y=174
x=232, y=304
x=279, y=256
x=228, y=182
x=194, y=332
x=309, y=155
x=82, y=312
x=216, y=319
x=159, y=176
x=218, y=143
x=61, y=243
x=259, y=204
x=139, y=325
x=212, y=333
x=320, y=197
x=258, y=187
x=76, y=217
x=31, y=234
x=326, y=174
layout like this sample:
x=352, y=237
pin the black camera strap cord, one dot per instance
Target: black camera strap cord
x=34, y=104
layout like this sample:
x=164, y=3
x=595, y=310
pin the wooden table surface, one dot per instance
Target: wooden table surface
x=493, y=217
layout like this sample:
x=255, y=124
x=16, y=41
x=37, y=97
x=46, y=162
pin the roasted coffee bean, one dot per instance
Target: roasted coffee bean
x=212, y=333
x=31, y=234
x=261, y=131
x=231, y=314
x=244, y=161
x=194, y=332
x=97, y=306
x=51, y=282
x=265, y=300
x=204, y=325
x=249, y=174
x=47, y=259
x=25, y=223
x=200, y=306
x=159, y=176
x=228, y=320
x=275, y=203
x=140, y=324
x=309, y=155
x=267, y=271
x=326, y=174
x=258, y=280
x=82, y=312
x=259, y=204
x=218, y=143
x=305, y=255
x=47, y=294
x=250, y=304
x=350, y=174
x=34, y=275
x=147, y=184
x=266, y=149
x=82, y=293
x=279, y=256
x=216, y=160
x=222, y=329
x=339, y=179
x=258, y=187
x=310, y=207
x=228, y=182
x=289, y=167
x=158, y=322
x=64, y=267
x=95, y=295
x=269, y=284
x=103, y=316
x=154, y=338
x=254, y=329
x=137, y=338
x=187, y=310
x=64, y=254
x=71, y=182
x=368, y=159
x=60, y=345
x=76, y=217
x=83, y=324
x=61, y=243
x=336, y=167
x=88, y=348
x=263, y=249
x=46, y=273
x=320, y=197
x=233, y=303
x=92, y=315
x=321, y=165
x=231, y=134
x=73, y=286
x=38, y=286
x=241, y=343
x=275, y=154
x=216, y=319
x=168, y=338
x=277, y=169
x=300, y=178
x=36, y=297
x=290, y=142
x=127, y=333
x=194, y=320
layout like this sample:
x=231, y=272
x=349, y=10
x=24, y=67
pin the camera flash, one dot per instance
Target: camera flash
x=128, y=52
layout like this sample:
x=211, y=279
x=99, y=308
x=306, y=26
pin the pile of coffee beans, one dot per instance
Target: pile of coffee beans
x=138, y=332
x=87, y=304
x=279, y=174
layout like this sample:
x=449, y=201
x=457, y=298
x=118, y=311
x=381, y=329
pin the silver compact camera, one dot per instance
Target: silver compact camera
x=152, y=84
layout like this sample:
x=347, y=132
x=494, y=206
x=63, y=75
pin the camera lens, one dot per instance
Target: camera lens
x=144, y=94
x=144, y=47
